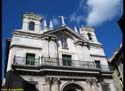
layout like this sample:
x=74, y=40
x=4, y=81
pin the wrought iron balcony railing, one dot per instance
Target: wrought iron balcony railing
x=23, y=61
x=58, y=62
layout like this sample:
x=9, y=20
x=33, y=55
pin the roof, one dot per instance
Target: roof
x=116, y=56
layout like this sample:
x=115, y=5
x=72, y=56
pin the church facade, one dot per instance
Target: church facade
x=61, y=59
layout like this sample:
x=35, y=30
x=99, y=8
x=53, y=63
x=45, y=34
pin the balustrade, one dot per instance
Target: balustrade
x=57, y=62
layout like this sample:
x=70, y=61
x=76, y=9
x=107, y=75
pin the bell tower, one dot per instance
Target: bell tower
x=31, y=22
x=89, y=34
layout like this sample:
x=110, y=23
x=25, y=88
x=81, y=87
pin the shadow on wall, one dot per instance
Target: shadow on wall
x=14, y=81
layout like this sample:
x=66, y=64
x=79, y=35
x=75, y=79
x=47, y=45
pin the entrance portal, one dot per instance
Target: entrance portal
x=73, y=87
x=71, y=90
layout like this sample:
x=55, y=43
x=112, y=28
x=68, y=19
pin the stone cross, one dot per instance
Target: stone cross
x=62, y=18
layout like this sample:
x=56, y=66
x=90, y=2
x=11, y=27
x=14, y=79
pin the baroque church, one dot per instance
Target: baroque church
x=58, y=59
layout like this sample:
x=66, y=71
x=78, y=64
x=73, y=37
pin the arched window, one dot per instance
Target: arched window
x=31, y=25
x=89, y=36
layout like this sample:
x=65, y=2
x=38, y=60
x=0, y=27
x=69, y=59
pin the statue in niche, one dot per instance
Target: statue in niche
x=64, y=43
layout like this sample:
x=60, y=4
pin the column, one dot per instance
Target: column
x=88, y=85
x=55, y=86
x=91, y=84
x=47, y=84
x=94, y=86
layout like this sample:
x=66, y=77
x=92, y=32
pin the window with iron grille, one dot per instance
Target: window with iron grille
x=30, y=59
x=66, y=60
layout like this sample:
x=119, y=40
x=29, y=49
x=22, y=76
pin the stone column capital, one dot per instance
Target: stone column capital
x=56, y=81
x=91, y=81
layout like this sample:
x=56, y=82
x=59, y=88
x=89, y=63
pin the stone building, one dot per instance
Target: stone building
x=58, y=59
x=116, y=61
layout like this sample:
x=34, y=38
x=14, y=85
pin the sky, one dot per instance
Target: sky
x=102, y=15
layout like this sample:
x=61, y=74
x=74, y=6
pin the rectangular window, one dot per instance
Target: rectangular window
x=66, y=60
x=97, y=62
x=30, y=59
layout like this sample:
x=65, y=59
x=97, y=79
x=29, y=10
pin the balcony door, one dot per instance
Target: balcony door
x=66, y=60
x=30, y=59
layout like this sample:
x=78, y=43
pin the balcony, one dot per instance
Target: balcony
x=45, y=61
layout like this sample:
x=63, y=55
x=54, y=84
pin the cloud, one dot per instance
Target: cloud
x=79, y=15
x=100, y=11
x=55, y=21
x=76, y=18
x=96, y=12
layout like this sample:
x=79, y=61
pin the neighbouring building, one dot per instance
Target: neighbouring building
x=58, y=59
x=117, y=63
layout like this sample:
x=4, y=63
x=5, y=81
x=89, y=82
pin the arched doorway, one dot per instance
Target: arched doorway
x=73, y=87
x=71, y=90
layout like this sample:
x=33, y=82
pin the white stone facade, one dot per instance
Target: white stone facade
x=48, y=44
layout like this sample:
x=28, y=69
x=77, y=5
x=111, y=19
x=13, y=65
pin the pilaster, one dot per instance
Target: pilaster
x=92, y=84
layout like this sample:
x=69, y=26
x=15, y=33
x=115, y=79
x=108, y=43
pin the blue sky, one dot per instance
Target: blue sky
x=100, y=14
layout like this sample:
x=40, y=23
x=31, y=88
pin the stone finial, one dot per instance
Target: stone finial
x=75, y=28
x=80, y=30
x=51, y=25
x=62, y=18
x=45, y=26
